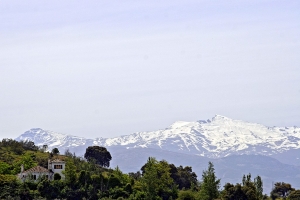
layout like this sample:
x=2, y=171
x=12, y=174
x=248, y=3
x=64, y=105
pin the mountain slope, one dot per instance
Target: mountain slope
x=214, y=138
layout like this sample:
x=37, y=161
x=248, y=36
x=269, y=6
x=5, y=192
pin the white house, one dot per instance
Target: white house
x=54, y=166
x=57, y=166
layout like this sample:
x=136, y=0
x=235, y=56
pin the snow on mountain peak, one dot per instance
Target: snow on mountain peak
x=52, y=139
x=179, y=124
x=217, y=138
x=220, y=118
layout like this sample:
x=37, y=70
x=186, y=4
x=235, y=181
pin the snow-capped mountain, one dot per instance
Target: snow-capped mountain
x=53, y=139
x=218, y=137
x=214, y=138
x=234, y=146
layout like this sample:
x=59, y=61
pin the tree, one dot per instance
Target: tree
x=210, y=184
x=184, y=177
x=123, y=178
x=294, y=195
x=70, y=172
x=68, y=153
x=186, y=195
x=44, y=189
x=8, y=186
x=29, y=145
x=4, y=168
x=51, y=189
x=281, y=189
x=26, y=160
x=99, y=154
x=150, y=178
x=248, y=190
x=238, y=191
x=135, y=176
x=259, y=187
x=156, y=180
x=55, y=151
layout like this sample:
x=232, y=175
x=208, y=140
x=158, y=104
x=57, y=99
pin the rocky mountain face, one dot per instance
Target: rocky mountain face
x=234, y=146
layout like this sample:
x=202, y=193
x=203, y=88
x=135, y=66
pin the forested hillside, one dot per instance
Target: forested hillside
x=91, y=178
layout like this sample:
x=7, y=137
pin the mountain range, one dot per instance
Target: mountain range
x=233, y=145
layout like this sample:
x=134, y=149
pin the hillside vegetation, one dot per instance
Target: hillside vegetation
x=91, y=178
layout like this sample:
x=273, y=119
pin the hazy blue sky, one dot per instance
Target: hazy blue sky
x=110, y=68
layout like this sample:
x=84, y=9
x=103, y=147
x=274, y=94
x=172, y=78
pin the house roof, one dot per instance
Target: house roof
x=36, y=169
x=56, y=161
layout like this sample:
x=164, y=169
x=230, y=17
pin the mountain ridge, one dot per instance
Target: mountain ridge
x=216, y=138
x=236, y=148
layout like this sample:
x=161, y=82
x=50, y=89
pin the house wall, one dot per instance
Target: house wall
x=35, y=175
x=57, y=167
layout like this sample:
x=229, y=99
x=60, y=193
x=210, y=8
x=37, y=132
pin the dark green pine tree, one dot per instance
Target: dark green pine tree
x=210, y=184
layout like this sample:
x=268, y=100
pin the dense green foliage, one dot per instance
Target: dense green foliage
x=13, y=154
x=294, y=195
x=91, y=179
x=156, y=180
x=248, y=190
x=281, y=189
x=99, y=154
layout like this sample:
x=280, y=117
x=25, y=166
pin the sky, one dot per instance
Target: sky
x=110, y=68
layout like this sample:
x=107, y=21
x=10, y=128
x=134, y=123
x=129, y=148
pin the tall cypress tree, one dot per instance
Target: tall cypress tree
x=259, y=187
x=210, y=184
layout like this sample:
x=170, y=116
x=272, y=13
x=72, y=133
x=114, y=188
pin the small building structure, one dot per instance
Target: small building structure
x=34, y=173
x=57, y=166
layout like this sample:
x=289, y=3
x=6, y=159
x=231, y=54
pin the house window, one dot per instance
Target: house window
x=58, y=166
x=34, y=177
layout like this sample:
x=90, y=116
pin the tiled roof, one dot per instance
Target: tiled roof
x=56, y=161
x=36, y=169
